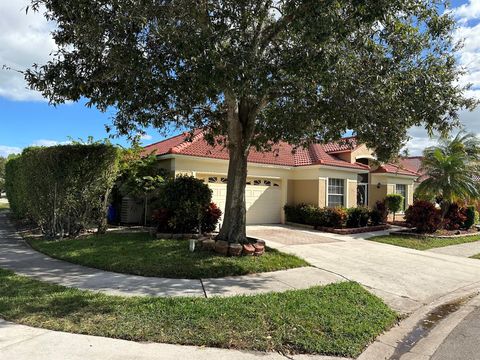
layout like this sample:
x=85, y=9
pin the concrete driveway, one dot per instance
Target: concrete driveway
x=404, y=278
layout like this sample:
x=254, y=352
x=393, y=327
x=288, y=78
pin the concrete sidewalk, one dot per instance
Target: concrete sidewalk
x=404, y=278
x=18, y=342
x=462, y=250
x=17, y=256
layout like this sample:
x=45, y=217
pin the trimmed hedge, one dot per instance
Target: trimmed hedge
x=63, y=189
x=331, y=217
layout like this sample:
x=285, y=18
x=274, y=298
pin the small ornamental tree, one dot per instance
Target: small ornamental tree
x=140, y=176
x=394, y=203
x=252, y=73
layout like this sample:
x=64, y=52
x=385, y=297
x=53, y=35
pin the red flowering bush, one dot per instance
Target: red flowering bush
x=210, y=218
x=455, y=217
x=161, y=218
x=423, y=216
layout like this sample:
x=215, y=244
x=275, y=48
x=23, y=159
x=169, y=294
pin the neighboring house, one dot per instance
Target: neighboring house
x=413, y=163
x=333, y=174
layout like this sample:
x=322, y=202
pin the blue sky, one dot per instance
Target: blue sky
x=26, y=119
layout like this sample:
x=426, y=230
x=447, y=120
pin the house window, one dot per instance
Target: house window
x=335, y=192
x=402, y=190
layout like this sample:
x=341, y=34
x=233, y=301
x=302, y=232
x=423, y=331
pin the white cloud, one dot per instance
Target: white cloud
x=24, y=39
x=47, y=142
x=146, y=137
x=468, y=11
x=7, y=150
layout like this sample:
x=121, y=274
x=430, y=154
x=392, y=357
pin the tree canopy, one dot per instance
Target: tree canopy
x=255, y=72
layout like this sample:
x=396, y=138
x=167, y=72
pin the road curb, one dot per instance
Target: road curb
x=386, y=344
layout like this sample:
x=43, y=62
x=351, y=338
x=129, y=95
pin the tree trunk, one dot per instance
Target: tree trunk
x=234, y=224
x=241, y=123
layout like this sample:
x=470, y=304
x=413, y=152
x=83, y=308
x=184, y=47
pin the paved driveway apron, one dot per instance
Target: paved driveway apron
x=404, y=278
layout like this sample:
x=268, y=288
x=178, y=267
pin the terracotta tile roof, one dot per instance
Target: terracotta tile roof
x=346, y=144
x=394, y=169
x=282, y=154
x=412, y=163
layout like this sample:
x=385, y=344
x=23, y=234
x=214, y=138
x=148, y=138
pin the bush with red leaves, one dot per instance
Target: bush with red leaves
x=455, y=217
x=423, y=216
x=210, y=218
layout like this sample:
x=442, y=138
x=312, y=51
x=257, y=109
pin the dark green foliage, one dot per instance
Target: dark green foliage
x=64, y=188
x=452, y=169
x=394, y=203
x=3, y=161
x=301, y=213
x=471, y=215
x=423, y=216
x=455, y=217
x=357, y=217
x=184, y=203
x=327, y=217
x=379, y=213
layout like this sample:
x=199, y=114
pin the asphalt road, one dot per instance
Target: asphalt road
x=463, y=343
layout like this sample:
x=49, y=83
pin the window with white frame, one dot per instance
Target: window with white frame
x=402, y=190
x=336, y=190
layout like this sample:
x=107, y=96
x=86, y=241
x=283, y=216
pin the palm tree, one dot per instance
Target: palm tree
x=452, y=169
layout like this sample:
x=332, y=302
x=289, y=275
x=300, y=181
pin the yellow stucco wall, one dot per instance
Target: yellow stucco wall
x=304, y=191
x=322, y=192
x=351, y=200
x=376, y=194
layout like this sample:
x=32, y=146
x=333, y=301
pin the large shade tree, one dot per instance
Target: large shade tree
x=250, y=73
x=452, y=170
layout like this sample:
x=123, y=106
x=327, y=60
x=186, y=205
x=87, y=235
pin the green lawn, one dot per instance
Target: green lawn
x=423, y=243
x=476, y=256
x=140, y=254
x=4, y=206
x=337, y=319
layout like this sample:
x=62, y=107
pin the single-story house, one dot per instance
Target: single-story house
x=333, y=174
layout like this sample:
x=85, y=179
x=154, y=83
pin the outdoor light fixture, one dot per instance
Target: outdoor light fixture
x=378, y=185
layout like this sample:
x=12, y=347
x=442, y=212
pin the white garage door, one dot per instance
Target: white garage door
x=263, y=198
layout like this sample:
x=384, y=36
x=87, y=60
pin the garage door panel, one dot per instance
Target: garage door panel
x=263, y=202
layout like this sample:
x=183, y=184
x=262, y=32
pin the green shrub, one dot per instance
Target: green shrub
x=379, y=213
x=186, y=202
x=335, y=217
x=471, y=216
x=64, y=188
x=357, y=217
x=394, y=203
x=302, y=213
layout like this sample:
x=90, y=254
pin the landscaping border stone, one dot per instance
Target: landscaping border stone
x=424, y=235
x=342, y=231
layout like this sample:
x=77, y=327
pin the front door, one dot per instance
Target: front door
x=362, y=194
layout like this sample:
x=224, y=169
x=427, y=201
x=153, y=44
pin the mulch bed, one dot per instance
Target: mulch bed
x=348, y=231
x=341, y=231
